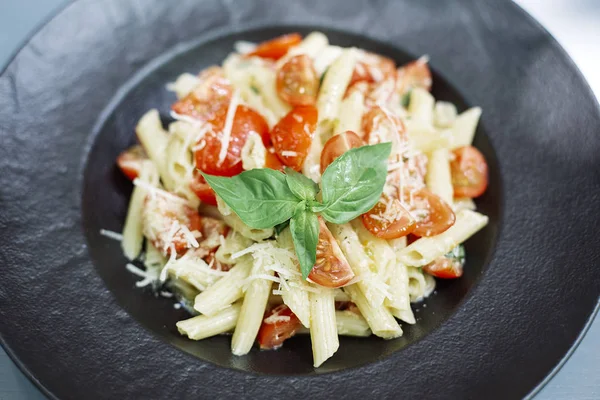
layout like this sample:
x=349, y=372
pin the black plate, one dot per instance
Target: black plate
x=70, y=314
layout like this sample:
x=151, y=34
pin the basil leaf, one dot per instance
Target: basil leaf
x=303, y=187
x=352, y=184
x=280, y=227
x=405, y=100
x=260, y=197
x=457, y=253
x=305, y=233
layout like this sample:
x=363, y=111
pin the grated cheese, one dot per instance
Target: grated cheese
x=273, y=319
x=185, y=118
x=112, y=235
x=226, y=136
x=156, y=191
x=288, y=153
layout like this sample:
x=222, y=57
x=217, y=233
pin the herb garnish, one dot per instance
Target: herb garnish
x=265, y=198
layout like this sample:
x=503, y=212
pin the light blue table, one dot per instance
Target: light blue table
x=576, y=25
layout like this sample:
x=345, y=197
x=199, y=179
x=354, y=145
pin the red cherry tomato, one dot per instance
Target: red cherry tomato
x=412, y=75
x=469, y=172
x=209, y=98
x=272, y=161
x=331, y=268
x=203, y=190
x=292, y=136
x=433, y=215
x=444, y=268
x=373, y=68
x=389, y=219
x=297, y=81
x=279, y=325
x=245, y=121
x=163, y=214
x=276, y=48
x=381, y=127
x=130, y=161
x=449, y=266
x=338, y=145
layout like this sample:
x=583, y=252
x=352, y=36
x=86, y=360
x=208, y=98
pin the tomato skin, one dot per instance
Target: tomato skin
x=297, y=82
x=272, y=161
x=331, y=269
x=276, y=48
x=414, y=74
x=380, y=127
x=245, y=121
x=373, y=68
x=402, y=225
x=203, y=190
x=338, y=145
x=448, y=266
x=469, y=172
x=439, y=216
x=209, y=98
x=272, y=335
x=294, y=133
x=130, y=161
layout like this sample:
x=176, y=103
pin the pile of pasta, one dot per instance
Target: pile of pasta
x=246, y=282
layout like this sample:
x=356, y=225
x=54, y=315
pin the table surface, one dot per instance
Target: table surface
x=574, y=23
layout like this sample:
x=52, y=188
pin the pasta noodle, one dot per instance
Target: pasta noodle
x=438, y=177
x=233, y=278
x=323, y=328
x=425, y=250
x=132, y=230
x=251, y=313
x=203, y=326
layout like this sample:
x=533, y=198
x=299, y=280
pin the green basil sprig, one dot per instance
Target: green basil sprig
x=265, y=198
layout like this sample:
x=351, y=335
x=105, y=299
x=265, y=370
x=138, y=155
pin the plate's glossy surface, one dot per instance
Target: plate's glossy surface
x=514, y=326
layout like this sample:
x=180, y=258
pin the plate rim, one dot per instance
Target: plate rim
x=66, y=4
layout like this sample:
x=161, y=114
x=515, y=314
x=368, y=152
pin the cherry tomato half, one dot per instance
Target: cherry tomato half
x=449, y=266
x=338, y=145
x=292, y=136
x=373, y=68
x=130, y=161
x=433, y=215
x=245, y=121
x=297, y=81
x=276, y=48
x=209, y=98
x=412, y=75
x=279, y=325
x=272, y=161
x=331, y=268
x=203, y=190
x=469, y=172
x=388, y=219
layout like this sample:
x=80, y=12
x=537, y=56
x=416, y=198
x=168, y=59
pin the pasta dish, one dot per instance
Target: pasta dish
x=301, y=188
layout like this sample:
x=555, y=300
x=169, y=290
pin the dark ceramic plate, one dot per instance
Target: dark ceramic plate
x=70, y=315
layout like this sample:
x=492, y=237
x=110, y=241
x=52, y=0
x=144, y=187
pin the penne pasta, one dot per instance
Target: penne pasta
x=133, y=230
x=426, y=249
x=323, y=327
x=225, y=291
x=203, y=326
x=252, y=311
x=438, y=178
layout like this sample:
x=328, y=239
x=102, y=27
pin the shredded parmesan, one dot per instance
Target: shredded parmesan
x=273, y=319
x=287, y=153
x=185, y=118
x=156, y=191
x=226, y=135
x=189, y=237
x=112, y=235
